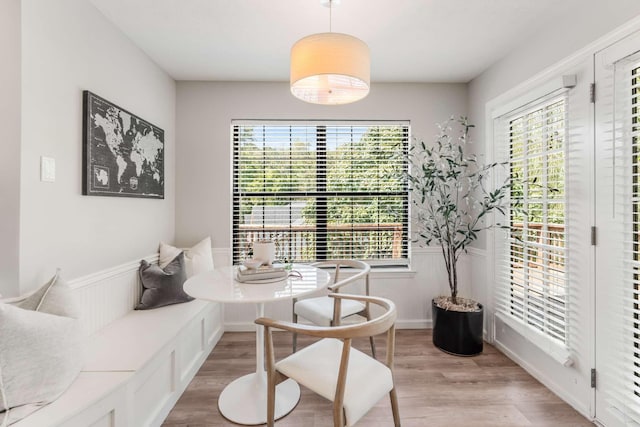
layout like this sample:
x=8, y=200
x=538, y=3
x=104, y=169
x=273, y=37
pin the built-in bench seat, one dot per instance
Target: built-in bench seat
x=142, y=335
x=94, y=399
x=138, y=364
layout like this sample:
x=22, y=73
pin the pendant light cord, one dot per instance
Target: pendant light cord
x=330, y=14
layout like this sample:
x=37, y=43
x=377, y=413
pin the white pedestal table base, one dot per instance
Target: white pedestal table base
x=244, y=401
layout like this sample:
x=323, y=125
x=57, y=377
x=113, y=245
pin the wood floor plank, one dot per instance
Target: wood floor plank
x=434, y=389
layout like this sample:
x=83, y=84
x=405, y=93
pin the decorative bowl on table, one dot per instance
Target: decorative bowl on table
x=252, y=263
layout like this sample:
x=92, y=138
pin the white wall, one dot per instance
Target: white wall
x=203, y=180
x=67, y=47
x=10, y=145
x=536, y=61
x=554, y=42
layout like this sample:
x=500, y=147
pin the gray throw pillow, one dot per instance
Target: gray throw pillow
x=41, y=350
x=163, y=286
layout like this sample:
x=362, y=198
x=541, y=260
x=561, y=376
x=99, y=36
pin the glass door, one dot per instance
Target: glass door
x=617, y=271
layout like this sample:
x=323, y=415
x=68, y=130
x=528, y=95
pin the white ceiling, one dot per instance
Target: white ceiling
x=410, y=40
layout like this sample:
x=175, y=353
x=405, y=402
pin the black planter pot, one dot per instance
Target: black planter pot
x=457, y=332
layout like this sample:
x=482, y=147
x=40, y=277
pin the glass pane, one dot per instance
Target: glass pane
x=537, y=237
x=289, y=222
x=365, y=227
x=365, y=159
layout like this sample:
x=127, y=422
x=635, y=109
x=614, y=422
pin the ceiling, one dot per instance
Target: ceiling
x=410, y=40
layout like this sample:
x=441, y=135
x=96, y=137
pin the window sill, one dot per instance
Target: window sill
x=381, y=272
x=554, y=349
x=392, y=272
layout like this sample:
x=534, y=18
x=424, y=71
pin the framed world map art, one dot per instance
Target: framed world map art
x=123, y=155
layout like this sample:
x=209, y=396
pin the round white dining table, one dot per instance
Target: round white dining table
x=244, y=400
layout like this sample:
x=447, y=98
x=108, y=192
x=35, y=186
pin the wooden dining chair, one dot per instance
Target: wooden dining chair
x=330, y=367
x=322, y=311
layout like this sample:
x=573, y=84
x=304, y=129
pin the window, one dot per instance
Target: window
x=531, y=267
x=321, y=190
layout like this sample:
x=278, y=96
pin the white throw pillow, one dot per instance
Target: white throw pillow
x=54, y=297
x=198, y=259
x=41, y=350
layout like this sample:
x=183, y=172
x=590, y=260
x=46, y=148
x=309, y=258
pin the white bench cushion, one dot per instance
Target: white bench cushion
x=316, y=367
x=86, y=394
x=139, y=335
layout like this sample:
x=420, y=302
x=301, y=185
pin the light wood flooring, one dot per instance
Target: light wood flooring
x=434, y=388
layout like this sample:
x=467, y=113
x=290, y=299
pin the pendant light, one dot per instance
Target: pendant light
x=330, y=68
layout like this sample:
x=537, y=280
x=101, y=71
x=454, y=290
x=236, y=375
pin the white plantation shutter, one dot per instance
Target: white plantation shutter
x=618, y=298
x=532, y=275
x=321, y=190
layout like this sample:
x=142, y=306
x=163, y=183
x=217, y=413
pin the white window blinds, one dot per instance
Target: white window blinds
x=321, y=190
x=618, y=296
x=531, y=289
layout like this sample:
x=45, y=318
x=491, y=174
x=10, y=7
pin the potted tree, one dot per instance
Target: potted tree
x=451, y=204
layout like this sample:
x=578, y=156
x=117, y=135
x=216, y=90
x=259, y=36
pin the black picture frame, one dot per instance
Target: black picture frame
x=122, y=154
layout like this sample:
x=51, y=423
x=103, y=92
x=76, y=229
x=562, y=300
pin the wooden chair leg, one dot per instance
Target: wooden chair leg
x=339, y=419
x=394, y=407
x=367, y=315
x=373, y=347
x=294, y=337
x=271, y=404
x=271, y=378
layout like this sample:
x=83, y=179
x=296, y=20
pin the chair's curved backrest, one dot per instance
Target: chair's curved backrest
x=374, y=326
x=361, y=269
x=321, y=311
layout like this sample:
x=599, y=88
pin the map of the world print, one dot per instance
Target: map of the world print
x=123, y=154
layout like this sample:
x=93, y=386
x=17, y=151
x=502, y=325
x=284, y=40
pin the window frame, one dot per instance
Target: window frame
x=544, y=201
x=320, y=193
x=499, y=118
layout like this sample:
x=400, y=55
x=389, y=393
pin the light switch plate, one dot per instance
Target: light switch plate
x=47, y=169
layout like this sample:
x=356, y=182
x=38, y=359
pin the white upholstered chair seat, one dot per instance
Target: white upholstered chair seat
x=322, y=311
x=319, y=310
x=316, y=367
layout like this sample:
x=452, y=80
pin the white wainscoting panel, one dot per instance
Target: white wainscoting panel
x=213, y=325
x=154, y=390
x=109, y=294
x=476, y=263
x=192, y=345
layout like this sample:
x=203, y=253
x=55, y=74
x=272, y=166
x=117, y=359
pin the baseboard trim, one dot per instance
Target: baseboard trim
x=414, y=324
x=239, y=327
